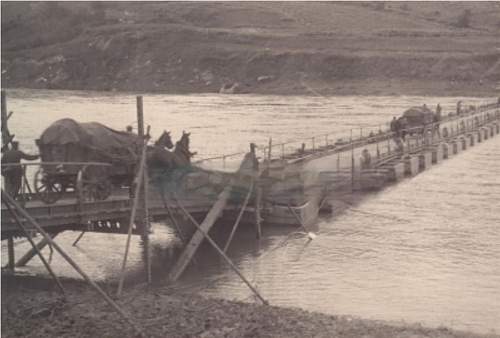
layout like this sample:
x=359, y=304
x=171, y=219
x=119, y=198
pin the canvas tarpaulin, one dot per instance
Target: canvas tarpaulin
x=94, y=137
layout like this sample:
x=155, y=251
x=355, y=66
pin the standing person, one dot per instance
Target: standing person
x=437, y=119
x=13, y=174
x=366, y=159
x=394, y=123
x=438, y=112
x=459, y=108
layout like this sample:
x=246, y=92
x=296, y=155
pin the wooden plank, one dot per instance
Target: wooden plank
x=198, y=237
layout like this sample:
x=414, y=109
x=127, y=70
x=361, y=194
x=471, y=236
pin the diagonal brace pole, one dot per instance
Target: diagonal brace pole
x=219, y=250
x=28, y=236
x=238, y=219
x=75, y=266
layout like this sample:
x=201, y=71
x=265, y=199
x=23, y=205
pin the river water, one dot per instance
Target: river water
x=425, y=250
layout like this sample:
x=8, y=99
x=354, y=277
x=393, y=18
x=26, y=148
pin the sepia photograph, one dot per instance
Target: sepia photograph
x=280, y=169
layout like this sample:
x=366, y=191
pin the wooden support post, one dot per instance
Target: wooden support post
x=147, y=225
x=216, y=247
x=352, y=163
x=258, y=206
x=32, y=221
x=240, y=214
x=28, y=236
x=138, y=186
x=79, y=238
x=143, y=193
x=6, y=137
x=10, y=248
x=270, y=147
x=32, y=253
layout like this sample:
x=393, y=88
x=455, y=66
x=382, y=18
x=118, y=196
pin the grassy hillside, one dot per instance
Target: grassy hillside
x=318, y=48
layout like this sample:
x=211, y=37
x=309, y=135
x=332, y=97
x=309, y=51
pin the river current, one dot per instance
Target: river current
x=425, y=250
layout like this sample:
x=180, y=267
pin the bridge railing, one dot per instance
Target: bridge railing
x=379, y=139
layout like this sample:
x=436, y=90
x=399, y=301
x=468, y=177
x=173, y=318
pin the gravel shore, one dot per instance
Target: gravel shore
x=29, y=311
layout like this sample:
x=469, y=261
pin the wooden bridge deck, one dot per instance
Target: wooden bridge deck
x=110, y=215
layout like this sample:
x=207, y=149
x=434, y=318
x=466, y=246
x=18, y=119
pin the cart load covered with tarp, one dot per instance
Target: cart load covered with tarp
x=111, y=156
x=416, y=117
x=69, y=141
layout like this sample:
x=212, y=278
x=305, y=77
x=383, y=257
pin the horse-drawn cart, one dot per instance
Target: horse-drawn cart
x=87, y=158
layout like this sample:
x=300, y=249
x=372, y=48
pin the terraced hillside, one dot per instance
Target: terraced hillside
x=317, y=48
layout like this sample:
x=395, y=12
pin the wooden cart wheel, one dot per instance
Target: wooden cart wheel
x=48, y=189
x=91, y=187
x=102, y=189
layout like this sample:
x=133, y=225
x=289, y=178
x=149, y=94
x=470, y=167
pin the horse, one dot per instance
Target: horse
x=169, y=167
x=165, y=140
x=182, y=154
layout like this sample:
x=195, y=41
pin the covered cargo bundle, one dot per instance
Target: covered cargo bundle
x=106, y=158
x=417, y=117
x=69, y=141
x=416, y=120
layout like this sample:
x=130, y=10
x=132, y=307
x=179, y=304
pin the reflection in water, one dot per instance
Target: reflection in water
x=426, y=250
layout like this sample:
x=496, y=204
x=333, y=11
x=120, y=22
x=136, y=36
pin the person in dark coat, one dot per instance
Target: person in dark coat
x=13, y=174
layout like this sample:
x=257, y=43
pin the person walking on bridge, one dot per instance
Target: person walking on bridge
x=13, y=174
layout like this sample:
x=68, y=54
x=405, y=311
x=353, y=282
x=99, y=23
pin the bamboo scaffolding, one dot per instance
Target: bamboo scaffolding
x=28, y=236
x=56, y=246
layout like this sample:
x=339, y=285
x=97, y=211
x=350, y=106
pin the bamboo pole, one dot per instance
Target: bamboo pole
x=258, y=206
x=147, y=225
x=270, y=147
x=352, y=162
x=28, y=236
x=219, y=250
x=238, y=219
x=11, y=253
x=299, y=221
x=31, y=253
x=33, y=222
x=139, y=179
x=143, y=193
x=78, y=238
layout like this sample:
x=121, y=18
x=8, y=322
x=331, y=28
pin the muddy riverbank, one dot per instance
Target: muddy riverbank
x=34, y=309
